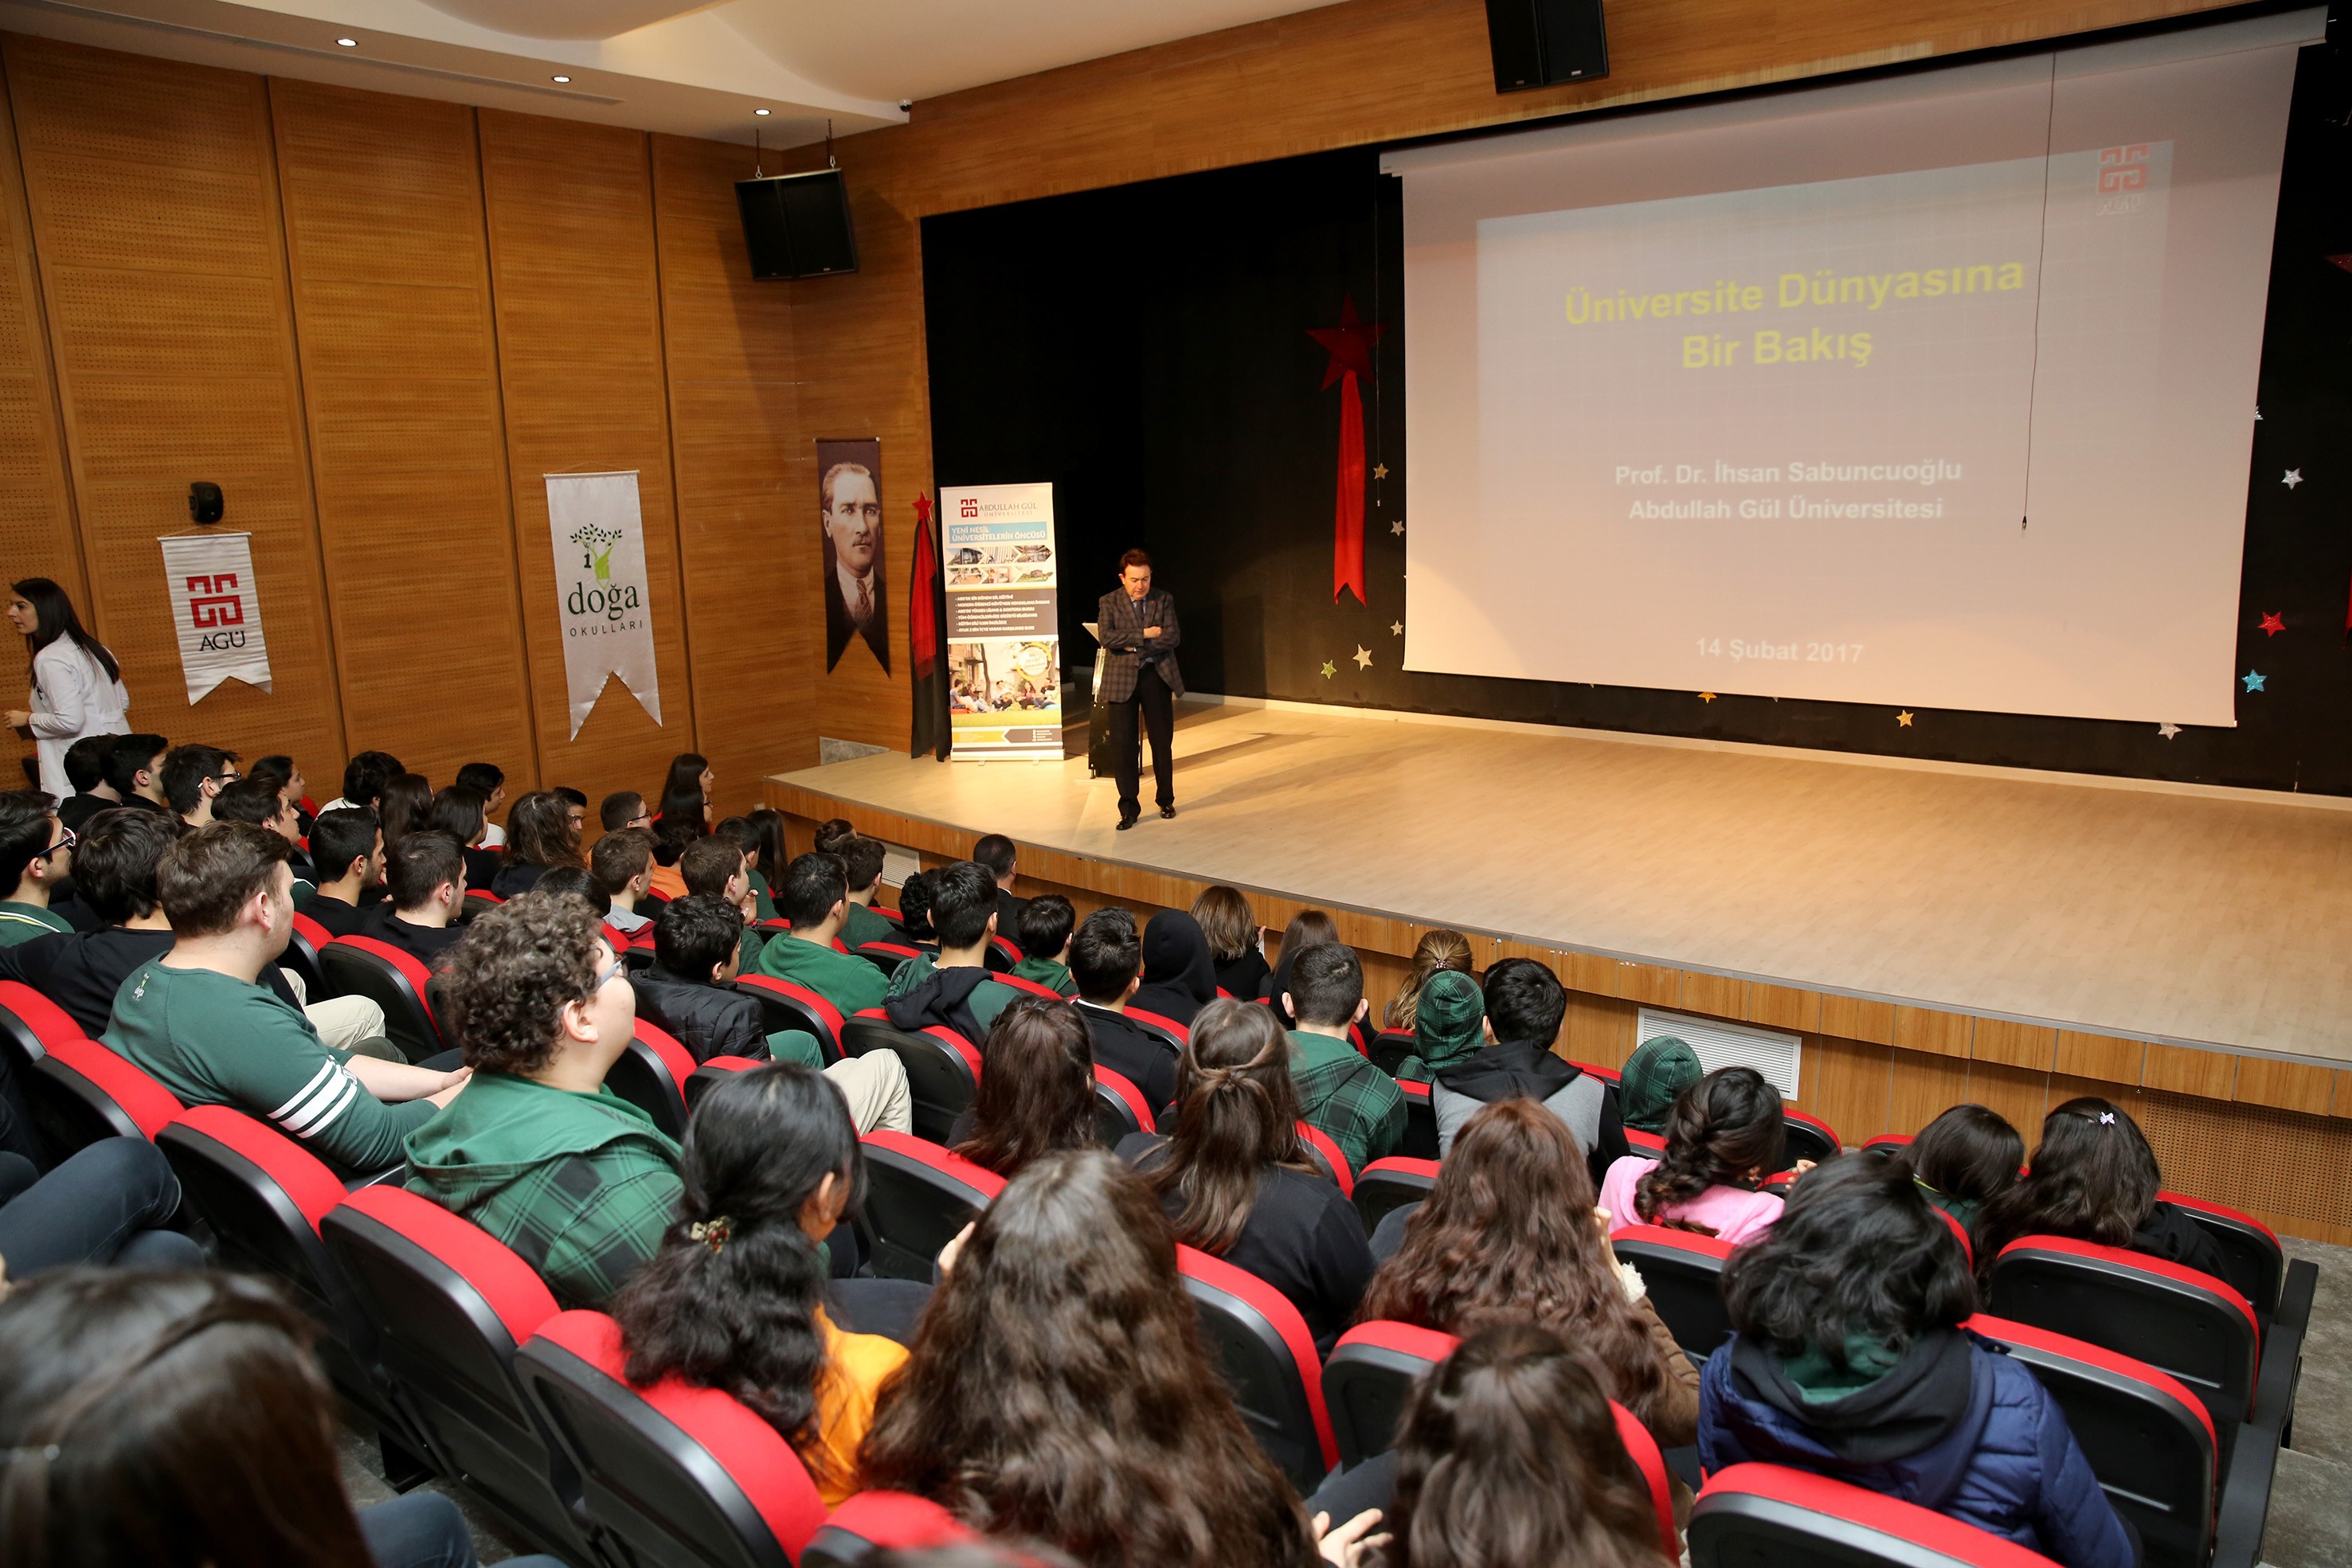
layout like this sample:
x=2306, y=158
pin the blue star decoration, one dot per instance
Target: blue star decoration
x=2253, y=680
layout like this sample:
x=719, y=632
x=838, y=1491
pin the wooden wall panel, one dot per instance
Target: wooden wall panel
x=575, y=279
x=400, y=370
x=747, y=506
x=153, y=199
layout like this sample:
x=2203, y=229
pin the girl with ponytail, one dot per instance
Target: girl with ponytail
x=1725, y=1134
x=733, y=1300
x=1235, y=1179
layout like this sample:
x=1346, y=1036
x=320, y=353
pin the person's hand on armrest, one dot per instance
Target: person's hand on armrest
x=395, y=1082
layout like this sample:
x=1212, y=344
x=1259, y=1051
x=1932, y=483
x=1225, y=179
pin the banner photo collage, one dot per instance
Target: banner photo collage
x=1004, y=646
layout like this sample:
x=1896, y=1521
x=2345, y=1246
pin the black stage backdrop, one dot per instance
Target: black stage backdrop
x=1146, y=349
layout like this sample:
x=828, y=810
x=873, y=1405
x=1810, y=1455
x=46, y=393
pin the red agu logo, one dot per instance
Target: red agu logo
x=2123, y=168
x=215, y=602
x=969, y=506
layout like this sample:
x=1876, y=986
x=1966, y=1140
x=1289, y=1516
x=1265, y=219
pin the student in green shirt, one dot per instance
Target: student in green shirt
x=198, y=1021
x=1338, y=1090
x=862, y=858
x=957, y=990
x=537, y=1151
x=716, y=866
x=814, y=899
x=36, y=853
x=1046, y=924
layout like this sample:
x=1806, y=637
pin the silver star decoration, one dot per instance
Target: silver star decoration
x=2293, y=477
x=2258, y=413
x=2168, y=730
x=1397, y=527
x=1396, y=628
x=1363, y=657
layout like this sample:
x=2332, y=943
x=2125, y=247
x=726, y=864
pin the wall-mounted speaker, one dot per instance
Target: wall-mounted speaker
x=1543, y=43
x=797, y=225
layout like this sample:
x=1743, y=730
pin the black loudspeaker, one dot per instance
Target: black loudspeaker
x=204, y=503
x=797, y=225
x=1542, y=43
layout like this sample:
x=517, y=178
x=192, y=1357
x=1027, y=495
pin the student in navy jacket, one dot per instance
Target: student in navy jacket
x=1849, y=1361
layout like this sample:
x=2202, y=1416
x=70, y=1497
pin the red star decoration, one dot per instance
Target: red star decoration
x=1350, y=344
x=2273, y=623
x=923, y=509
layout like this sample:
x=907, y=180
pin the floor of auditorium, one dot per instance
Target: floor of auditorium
x=2201, y=918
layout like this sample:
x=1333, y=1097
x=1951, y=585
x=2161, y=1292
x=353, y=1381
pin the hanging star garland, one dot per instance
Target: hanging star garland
x=1379, y=470
x=2273, y=623
x=1707, y=696
x=1350, y=346
x=2293, y=477
x=2168, y=729
x=2254, y=680
x=1903, y=719
x=1396, y=628
x=1397, y=527
x=1363, y=657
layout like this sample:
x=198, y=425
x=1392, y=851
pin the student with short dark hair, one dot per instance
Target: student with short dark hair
x=1308, y=928
x=1044, y=932
x=347, y=856
x=1964, y=1159
x=1339, y=1092
x=1525, y=1005
x=134, y=770
x=114, y=873
x=812, y=896
x=1180, y=979
x=426, y=875
x=263, y=803
x=623, y=865
x=540, y=835
x=716, y=866
x=192, y=776
x=741, y=832
x=1106, y=966
x=861, y=861
x=363, y=779
x=957, y=990
x=623, y=809
x=995, y=854
x=36, y=853
x=85, y=766
x=463, y=813
x=200, y=1022
x=488, y=780
x=1037, y=1092
x=574, y=882
x=1725, y=1134
x=1848, y=1358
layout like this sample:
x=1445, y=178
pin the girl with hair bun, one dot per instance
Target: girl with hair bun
x=1725, y=1134
x=1235, y=1180
x=1436, y=953
x=734, y=1300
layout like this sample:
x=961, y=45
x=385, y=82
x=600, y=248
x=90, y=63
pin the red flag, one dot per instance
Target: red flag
x=1351, y=345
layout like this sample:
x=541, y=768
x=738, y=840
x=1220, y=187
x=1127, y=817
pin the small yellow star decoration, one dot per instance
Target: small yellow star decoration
x=1330, y=669
x=1707, y=696
x=1904, y=718
x=1379, y=470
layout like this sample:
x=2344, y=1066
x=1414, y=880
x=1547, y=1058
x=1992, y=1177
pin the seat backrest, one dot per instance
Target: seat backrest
x=887, y=956
x=878, y=1522
x=1166, y=1027
x=1810, y=1138
x=1391, y=1048
x=1269, y=1358
x=303, y=945
x=1035, y=987
x=710, y=1074
x=1651, y=1462
x=1419, y=1141
x=2148, y=1439
x=1683, y=1273
x=29, y=1021
x=1768, y=1516
x=2251, y=1249
x=1390, y=1184
x=1119, y=1107
x=1366, y=1378
x=917, y=1196
x=1002, y=955
x=1644, y=1143
x=2180, y=1321
x=788, y=1004
x=1325, y=1152
x=395, y=981
x=80, y=1092
x=942, y=1067
x=678, y=1474
x=652, y=1075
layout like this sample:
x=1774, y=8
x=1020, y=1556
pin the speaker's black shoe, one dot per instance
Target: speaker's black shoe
x=1166, y=811
x=1125, y=823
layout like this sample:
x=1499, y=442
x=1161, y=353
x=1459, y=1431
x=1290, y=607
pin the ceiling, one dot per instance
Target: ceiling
x=692, y=69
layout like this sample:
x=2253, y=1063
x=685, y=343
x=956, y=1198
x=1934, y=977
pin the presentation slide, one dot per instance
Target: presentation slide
x=1934, y=391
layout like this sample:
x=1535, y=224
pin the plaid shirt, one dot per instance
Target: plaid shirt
x=1346, y=1096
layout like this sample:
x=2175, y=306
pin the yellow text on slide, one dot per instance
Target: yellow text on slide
x=1708, y=351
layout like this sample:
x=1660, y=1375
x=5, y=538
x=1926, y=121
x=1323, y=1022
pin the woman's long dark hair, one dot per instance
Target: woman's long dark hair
x=166, y=1419
x=1969, y=1154
x=730, y=1300
x=459, y=810
x=406, y=801
x=1058, y=1388
x=1722, y=1128
x=771, y=860
x=681, y=793
x=1236, y=1113
x=1509, y=1456
x=1508, y=1233
x=2094, y=1178
x=1858, y=1252
x=539, y=830
x=1036, y=1087
x=54, y=617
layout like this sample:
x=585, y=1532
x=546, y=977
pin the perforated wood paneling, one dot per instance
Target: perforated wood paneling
x=153, y=204
x=391, y=293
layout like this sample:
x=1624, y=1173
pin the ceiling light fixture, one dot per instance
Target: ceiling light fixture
x=559, y=78
x=760, y=111
x=349, y=43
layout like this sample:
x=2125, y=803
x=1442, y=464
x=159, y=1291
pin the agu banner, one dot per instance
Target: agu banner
x=1004, y=636
x=215, y=611
x=602, y=600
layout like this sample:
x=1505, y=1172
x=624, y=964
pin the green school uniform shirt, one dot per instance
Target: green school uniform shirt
x=863, y=925
x=987, y=999
x=23, y=922
x=847, y=981
x=1046, y=972
x=1346, y=1096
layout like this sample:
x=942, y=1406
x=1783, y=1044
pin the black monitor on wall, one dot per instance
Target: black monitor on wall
x=797, y=225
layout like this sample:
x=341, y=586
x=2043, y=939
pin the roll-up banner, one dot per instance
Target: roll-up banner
x=1004, y=643
x=215, y=611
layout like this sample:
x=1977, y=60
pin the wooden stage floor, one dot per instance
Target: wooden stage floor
x=2202, y=919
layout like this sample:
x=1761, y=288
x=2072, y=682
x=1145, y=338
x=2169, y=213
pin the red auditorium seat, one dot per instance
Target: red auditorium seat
x=1269, y=1358
x=1119, y=1107
x=676, y=1475
x=449, y=1305
x=1391, y=1048
x=1419, y=1141
x=881, y=1521
x=1643, y=1449
x=887, y=956
x=917, y=1196
x=1683, y=1273
x=395, y=981
x=28, y=1023
x=480, y=898
x=1324, y=1151
x=651, y=1075
x=2251, y=1248
x=1391, y=1183
x=1643, y=1143
x=942, y=1067
x=80, y=1092
x=1167, y=1029
x=1035, y=987
x=612, y=938
x=1365, y=1383
x=1766, y=1516
x=716, y=1071
x=1002, y=954
x=306, y=941
x=788, y=1004
x=1888, y=1141
x=1361, y=1034
x=1810, y=1138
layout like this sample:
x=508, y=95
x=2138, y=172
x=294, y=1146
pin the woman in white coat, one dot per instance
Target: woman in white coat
x=77, y=684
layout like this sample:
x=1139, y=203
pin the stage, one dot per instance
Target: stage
x=2219, y=920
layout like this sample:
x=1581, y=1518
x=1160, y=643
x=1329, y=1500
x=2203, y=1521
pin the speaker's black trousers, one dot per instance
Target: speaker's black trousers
x=1157, y=706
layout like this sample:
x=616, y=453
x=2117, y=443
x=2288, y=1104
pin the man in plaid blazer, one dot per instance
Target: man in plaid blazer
x=1141, y=632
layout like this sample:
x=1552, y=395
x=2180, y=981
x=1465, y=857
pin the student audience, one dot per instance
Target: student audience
x=1308, y=928
x=688, y=989
x=716, y=866
x=1725, y=1134
x=114, y=876
x=1037, y=1089
x=813, y=898
x=861, y=862
x=1232, y=932
x=35, y=855
x=364, y=777
x=1044, y=932
x=85, y=766
x=134, y=770
x=1437, y=952
x=1235, y=1180
x=739, y=831
x=1963, y=1159
x=686, y=797
x=426, y=874
x=623, y=864
x=1525, y=1005
x=956, y=990
x=347, y=858
x=768, y=859
x=1339, y=1092
x=625, y=809
x=262, y=803
x=574, y=881
x=540, y=834
x=281, y=771
x=1848, y=1358
x=915, y=913
x=1058, y=1388
x=995, y=854
x=734, y=1298
x=1653, y=1079
x=1180, y=978
x=462, y=811
x=406, y=799
x=488, y=780
x=1448, y=1021
x=1106, y=966
x=192, y=776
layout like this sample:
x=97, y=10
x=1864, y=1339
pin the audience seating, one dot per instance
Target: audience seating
x=303, y=945
x=479, y=899
x=1683, y=1273
x=1365, y=1383
x=2249, y=1245
x=1810, y=1138
x=1035, y=987
x=1001, y=954
x=449, y=1305
x=392, y=980
x=942, y=1067
x=719, y=1069
x=887, y=956
x=917, y=1196
x=1649, y=1145
x=1391, y=1048
x=1419, y=1141
x=80, y=1092
x=1651, y=1462
x=1270, y=1360
x=880, y=1521
x=28, y=1023
x=1393, y=1184
x=1167, y=1029
x=788, y=1004
x=651, y=1074
x=674, y=1474
x=1120, y=1108
x=1766, y=1516
x=1324, y=1151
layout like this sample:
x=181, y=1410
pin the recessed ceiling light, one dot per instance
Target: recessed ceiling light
x=349, y=43
x=561, y=79
x=759, y=111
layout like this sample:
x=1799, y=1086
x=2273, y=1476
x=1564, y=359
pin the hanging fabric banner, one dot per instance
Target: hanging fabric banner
x=216, y=610
x=602, y=600
x=1003, y=630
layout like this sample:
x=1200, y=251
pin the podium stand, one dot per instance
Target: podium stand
x=1098, y=756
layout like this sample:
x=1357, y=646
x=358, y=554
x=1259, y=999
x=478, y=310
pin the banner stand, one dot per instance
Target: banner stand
x=1004, y=621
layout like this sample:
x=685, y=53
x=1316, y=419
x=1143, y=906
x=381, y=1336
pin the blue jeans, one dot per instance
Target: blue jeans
x=424, y=1530
x=107, y=1204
